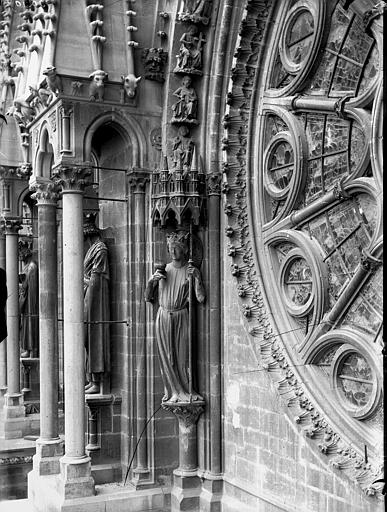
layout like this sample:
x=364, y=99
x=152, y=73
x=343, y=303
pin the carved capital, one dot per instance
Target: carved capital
x=11, y=225
x=137, y=179
x=214, y=181
x=187, y=413
x=66, y=109
x=72, y=177
x=45, y=191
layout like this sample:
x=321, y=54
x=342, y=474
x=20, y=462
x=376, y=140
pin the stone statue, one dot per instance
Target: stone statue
x=96, y=306
x=28, y=302
x=196, y=11
x=3, y=301
x=185, y=110
x=171, y=283
x=189, y=59
x=182, y=149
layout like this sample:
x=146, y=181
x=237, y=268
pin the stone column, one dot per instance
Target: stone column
x=137, y=183
x=13, y=399
x=75, y=465
x=49, y=446
x=3, y=344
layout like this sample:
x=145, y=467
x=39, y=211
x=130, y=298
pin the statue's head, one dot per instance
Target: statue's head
x=177, y=243
x=89, y=226
x=25, y=249
x=186, y=81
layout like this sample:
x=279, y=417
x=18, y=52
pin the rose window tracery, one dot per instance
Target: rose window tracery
x=305, y=197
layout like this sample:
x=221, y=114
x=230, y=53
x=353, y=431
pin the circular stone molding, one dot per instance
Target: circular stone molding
x=296, y=282
x=279, y=165
x=354, y=379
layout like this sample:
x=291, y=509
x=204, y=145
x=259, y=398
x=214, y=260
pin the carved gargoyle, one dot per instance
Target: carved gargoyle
x=97, y=85
x=54, y=82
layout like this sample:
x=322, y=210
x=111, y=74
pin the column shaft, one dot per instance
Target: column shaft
x=215, y=333
x=48, y=298
x=13, y=350
x=73, y=328
x=3, y=344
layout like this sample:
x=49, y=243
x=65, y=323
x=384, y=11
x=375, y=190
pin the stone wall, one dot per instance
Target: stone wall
x=268, y=464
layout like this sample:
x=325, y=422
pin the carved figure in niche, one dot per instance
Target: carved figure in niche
x=54, y=82
x=189, y=59
x=129, y=84
x=185, y=109
x=154, y=60
x=197, y=11
x=97, y=85
x=28, y=302
x=171, y=284
x=96, y=306
x=3, y=302
x=182, y=149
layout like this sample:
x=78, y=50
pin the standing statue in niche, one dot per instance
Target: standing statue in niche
x=171, y=282
x=96, y=306
x=185, y=109
x=189, y=59
x=28, y=302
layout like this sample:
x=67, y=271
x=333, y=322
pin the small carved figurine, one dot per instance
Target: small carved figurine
x=189, y=59
x=54, y=82
x=97, y=85
x=185, y=109
x=197, y=11
x=171, y=284
x=182, y=149
x=28, y=302
x=154, y=60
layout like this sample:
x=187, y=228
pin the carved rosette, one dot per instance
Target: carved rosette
x=137, y=180
x=11, y=225
x=45, y=191
x=187, y=413
x=72, y=178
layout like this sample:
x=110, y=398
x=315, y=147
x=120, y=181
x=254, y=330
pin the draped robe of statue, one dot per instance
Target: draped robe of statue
x=29, y=309
x=97, y=308
x=172, y=323
x=3, y=301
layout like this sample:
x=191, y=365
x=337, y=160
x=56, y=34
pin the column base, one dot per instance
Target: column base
x=140, y=478
x=46, y=459
x=185, y=492
x=212, y=492
x=12, y=419
x=76, y=478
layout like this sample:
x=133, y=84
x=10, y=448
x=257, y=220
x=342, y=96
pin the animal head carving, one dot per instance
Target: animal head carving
x=99, y=77
x=130, y=84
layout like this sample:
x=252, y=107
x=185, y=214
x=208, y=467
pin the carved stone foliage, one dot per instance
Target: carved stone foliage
x=154, y=60
x=72, y=177
x=317, y=221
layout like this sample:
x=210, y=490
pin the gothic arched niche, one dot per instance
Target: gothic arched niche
x=304, y=214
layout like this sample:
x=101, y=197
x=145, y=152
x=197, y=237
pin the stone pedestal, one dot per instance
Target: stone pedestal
x=185, y=492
